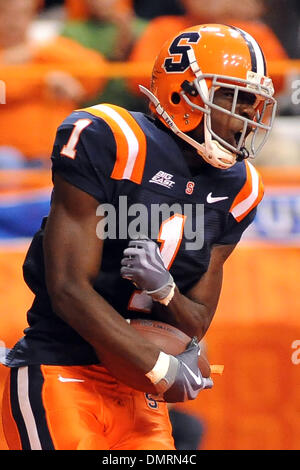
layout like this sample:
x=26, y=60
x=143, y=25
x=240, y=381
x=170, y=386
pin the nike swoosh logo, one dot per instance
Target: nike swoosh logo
x=67, y=379
x=197, y=378
x=210, y=199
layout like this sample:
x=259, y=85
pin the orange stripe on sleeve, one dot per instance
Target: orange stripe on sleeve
x=250, y=195
x=130, y=141
x=139, y=165
x=245, y=191
x=261, y=191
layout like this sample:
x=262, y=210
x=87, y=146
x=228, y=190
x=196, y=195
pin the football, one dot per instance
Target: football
x=169, y=339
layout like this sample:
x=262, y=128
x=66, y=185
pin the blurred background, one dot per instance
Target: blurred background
x=56, y=56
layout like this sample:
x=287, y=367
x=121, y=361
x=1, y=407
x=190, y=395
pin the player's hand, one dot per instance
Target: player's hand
x=183, y=381
x=143, y=265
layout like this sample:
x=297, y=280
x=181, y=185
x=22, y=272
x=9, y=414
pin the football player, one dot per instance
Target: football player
x=82, y=377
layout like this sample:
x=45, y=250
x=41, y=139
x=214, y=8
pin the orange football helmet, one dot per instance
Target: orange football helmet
x=188, y=71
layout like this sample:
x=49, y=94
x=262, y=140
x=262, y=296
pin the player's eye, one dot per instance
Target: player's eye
x=246, y=98
x=228, y=93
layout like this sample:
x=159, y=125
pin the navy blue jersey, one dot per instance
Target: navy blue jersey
x=135, y=168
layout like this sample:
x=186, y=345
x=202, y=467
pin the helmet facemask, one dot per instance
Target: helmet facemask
x=260, y=126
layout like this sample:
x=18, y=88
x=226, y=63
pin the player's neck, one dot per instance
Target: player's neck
x=194, y=161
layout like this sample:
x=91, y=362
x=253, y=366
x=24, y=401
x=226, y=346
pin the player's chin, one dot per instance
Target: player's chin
x=231, y=141
x=237, y=137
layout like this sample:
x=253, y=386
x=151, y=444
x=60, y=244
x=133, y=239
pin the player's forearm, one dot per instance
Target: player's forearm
x=193, y=312
x=194, y=317
x=189, y=316
x=119, y=347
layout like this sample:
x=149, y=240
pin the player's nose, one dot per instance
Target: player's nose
x=245, y=110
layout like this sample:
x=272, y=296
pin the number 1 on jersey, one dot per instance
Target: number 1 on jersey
x=69, y=150
x=170, y=235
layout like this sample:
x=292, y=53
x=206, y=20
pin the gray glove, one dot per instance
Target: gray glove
x=183, y=380
x=143, y=265
x=186, y=381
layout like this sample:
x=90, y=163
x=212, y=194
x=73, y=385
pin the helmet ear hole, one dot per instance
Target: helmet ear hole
x=175, y=98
